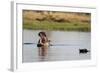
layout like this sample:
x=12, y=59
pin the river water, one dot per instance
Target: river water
x=66, y=45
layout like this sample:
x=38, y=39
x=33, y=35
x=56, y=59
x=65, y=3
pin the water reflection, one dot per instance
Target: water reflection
x=42, y=51
x=74, y=41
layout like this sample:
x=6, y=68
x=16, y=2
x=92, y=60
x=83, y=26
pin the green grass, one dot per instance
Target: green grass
x=50, y=25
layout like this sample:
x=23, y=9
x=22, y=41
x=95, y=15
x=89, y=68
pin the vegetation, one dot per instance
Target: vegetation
x=47, y=20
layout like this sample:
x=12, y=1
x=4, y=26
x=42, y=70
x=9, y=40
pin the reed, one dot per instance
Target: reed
x=45, y=20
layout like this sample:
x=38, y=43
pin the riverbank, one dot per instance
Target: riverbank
x=52, y=20
x=47, y=25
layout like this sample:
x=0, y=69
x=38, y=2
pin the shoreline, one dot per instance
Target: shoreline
x=58, y=27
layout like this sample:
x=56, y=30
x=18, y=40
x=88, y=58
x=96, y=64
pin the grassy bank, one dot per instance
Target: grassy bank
x=45, y=25
x=44, y=20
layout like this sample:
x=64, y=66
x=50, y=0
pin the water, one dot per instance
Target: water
x=66, y=46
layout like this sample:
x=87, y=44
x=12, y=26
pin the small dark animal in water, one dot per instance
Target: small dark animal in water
x=83, y=50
